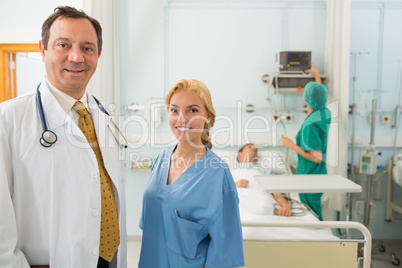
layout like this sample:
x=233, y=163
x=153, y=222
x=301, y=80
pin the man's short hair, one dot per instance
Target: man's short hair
x=72, y=13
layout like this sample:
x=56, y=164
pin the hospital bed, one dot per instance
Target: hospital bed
x=394, y=178
x=307, y=253
x=300, y=241
x=393, y=207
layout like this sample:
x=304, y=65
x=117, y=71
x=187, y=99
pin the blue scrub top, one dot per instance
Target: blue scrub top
x=193, y=222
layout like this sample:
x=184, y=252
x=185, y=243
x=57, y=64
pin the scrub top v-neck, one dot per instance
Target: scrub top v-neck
x=195, y=220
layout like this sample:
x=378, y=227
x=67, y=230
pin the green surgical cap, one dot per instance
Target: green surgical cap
x=315, y=95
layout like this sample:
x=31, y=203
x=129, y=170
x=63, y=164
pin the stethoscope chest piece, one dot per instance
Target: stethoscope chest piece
x=48, y=138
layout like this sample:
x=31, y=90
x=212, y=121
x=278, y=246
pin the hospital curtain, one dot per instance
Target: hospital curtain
x=337, y=55
x=105, y=82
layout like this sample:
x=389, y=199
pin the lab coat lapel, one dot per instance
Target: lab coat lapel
x=107, y=144
x=54, y=114
x=56, y=117
x=99, y=120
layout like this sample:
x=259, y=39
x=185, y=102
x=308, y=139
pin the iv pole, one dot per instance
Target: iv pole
x=352, y=169
x=370, y=178
x=354, y=54
x=373, y=155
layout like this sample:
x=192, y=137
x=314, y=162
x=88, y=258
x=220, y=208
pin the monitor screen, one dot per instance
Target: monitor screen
x=294, y=61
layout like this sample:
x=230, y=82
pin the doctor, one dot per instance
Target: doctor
x=52, y=209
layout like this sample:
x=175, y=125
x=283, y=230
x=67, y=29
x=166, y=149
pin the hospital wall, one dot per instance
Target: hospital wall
x=15, y=26
x=229, y=46
x=379, y=68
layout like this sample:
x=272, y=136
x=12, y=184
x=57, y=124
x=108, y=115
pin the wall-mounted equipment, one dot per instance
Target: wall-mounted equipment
x=288, y=118
x=154, y=110
x=290, y=77
x=290, y=83
x=293, y=61
x=368, y=161
x=385, y=118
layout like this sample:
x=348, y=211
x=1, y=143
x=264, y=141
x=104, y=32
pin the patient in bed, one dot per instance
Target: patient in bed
x=248, y=163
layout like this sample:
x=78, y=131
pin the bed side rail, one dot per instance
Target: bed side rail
x=367, y=241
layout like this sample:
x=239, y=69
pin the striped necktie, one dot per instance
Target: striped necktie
x=110, y=234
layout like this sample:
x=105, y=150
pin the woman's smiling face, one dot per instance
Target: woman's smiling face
x=187, y=117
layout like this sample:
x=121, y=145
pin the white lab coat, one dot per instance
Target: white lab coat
x=50, y=202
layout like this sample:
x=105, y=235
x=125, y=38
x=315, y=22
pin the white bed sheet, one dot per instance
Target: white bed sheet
x=257, y=205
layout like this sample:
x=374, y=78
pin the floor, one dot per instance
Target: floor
x=133, y=251
x=383, y=260
x=378, y=260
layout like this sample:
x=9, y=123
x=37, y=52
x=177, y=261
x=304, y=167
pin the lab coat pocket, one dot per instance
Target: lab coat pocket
x=185, y=236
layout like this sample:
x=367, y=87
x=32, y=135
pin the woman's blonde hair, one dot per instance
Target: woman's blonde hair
x=205, y=96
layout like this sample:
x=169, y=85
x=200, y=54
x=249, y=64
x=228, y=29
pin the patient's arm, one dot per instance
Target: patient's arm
x=242, y=183
x=285, y=209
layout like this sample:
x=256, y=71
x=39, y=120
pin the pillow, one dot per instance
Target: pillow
x=230, y=157
x=269, y=159
x=274, y=160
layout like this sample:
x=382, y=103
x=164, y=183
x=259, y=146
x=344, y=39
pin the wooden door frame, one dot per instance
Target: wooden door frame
x=11, y=48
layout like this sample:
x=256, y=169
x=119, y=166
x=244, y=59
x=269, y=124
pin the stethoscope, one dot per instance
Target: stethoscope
x=49, y=138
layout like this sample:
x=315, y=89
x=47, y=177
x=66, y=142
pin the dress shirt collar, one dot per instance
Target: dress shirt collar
x=66, y=102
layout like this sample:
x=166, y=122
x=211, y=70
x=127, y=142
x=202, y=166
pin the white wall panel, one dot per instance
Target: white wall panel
x=228, y=49
x=22, y=20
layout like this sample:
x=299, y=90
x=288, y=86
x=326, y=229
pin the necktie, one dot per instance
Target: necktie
x=110, y=235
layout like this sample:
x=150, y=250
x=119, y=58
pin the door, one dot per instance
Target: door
x=21, y=69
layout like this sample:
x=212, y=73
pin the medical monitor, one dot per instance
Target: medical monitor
x=293, y=61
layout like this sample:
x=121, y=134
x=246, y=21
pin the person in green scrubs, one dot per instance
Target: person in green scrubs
x=312, y=139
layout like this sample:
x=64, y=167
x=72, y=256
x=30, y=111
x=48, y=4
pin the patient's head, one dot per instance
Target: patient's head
x=247, y=153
